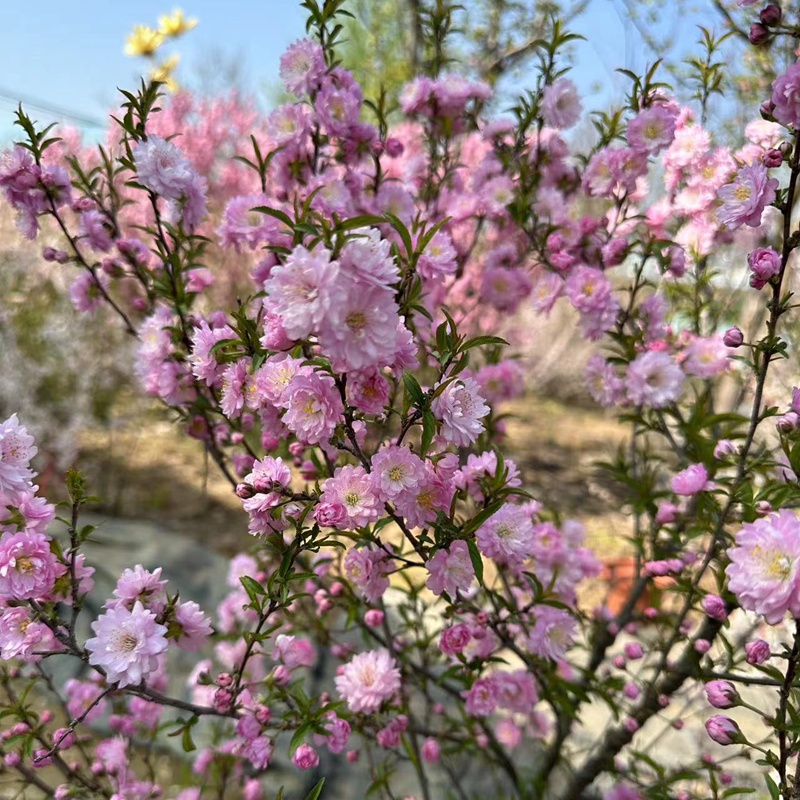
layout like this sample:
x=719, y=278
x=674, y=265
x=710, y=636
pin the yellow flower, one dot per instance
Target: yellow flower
x=143, y=41
x=163, y=73
x=175, y=24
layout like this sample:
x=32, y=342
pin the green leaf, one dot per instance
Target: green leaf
x=253, y=588
x=476, y=559
x=414, y=389
x=316, y=791
x=428, y=430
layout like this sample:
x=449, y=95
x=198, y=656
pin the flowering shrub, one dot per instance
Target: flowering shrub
x=351, y=400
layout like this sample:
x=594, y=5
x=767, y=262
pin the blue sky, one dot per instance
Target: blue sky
x=70, y=54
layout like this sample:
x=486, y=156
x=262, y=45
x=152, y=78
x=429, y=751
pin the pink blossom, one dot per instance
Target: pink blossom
x=162, y=168
x=19, y=634
x=460, y=407
x=705, y=357
x=16, y=451
x=722, y=694
x=765, y=264
x=193, y=626
x=352, y=488
x=454, y=639
x=368, y=569
x=786, y=97
x=368, y=680
x=28, y=569
x=302, y=292
x=507, y=536
x=561, y=104
x=430, y=750
x=603, y=382
x=142, y=586
x=302, y=67
x=293, y=652
x=757, y=651
x=313, y=407
x=305, y=757
x=338, y=734
x=744, y=200
x=481, y=699
x=127, y=644
x=552, y=633
x=358, y=331
x=451, y=570
x=395, y=471
x=691, y=481
x=652, y=129
x=654, y=380
x=764, y=573
x=368, y=391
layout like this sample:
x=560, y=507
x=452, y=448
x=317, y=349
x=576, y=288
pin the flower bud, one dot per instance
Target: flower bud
x=702, y=646
x=430, y=750
x=733, y=337
x=758, y=34
x=714, y=606
x=723, y=730
x=772, y=158
x=763, y=508
x=757, y=652
x=244, y=491
x=766, y=109
x=724, y=448
x=770, y=15
x=722, y=694
x=373, y=618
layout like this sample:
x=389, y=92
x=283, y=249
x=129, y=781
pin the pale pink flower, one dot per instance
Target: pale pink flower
x=358, y=331
x=16, y=451
x=765, y=565
x=302, y=67
x=352, y=487
x=368, y=680
x=302, y=292
x=368, y=391
x=293, y=652
x=481, y=699
x=28, y=570
x=652, y=129
x=162, y=168
x=561, y=104
x=654, y=380
x=396, y=470
x=603, y=382
x=368, y=258
x=193, y=627
x=552, y=633
x=19, y=634
x=507, y=536
x=744, y=200
x=313, y=407
x=786, y=97
x=451, y=570
x=127, y=644
x=691, y=481
x=205, y=366
x=705, y=357
x=460, y=407
x=368, y=569
x=142, y=586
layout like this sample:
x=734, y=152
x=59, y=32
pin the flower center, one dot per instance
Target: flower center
x=352, y=499
x=24, y=564
x=742, y=193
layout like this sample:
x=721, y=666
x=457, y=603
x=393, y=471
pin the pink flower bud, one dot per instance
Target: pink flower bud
x=305, y=757
x=714, y=606
x=763, y=508
x=770, y=15
x=430, y=750
x=631, y=725
x=772, y=158
x=244, y=491
x=757, y=652
x=723, y=730
x=225, y=679
x=702, y=646
x=373, y=618
x=722, y=694
x=733, y=337
x=758, y=33
x=633, y=651
x=724, y=448
x=352, y=756
x=12, y=760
